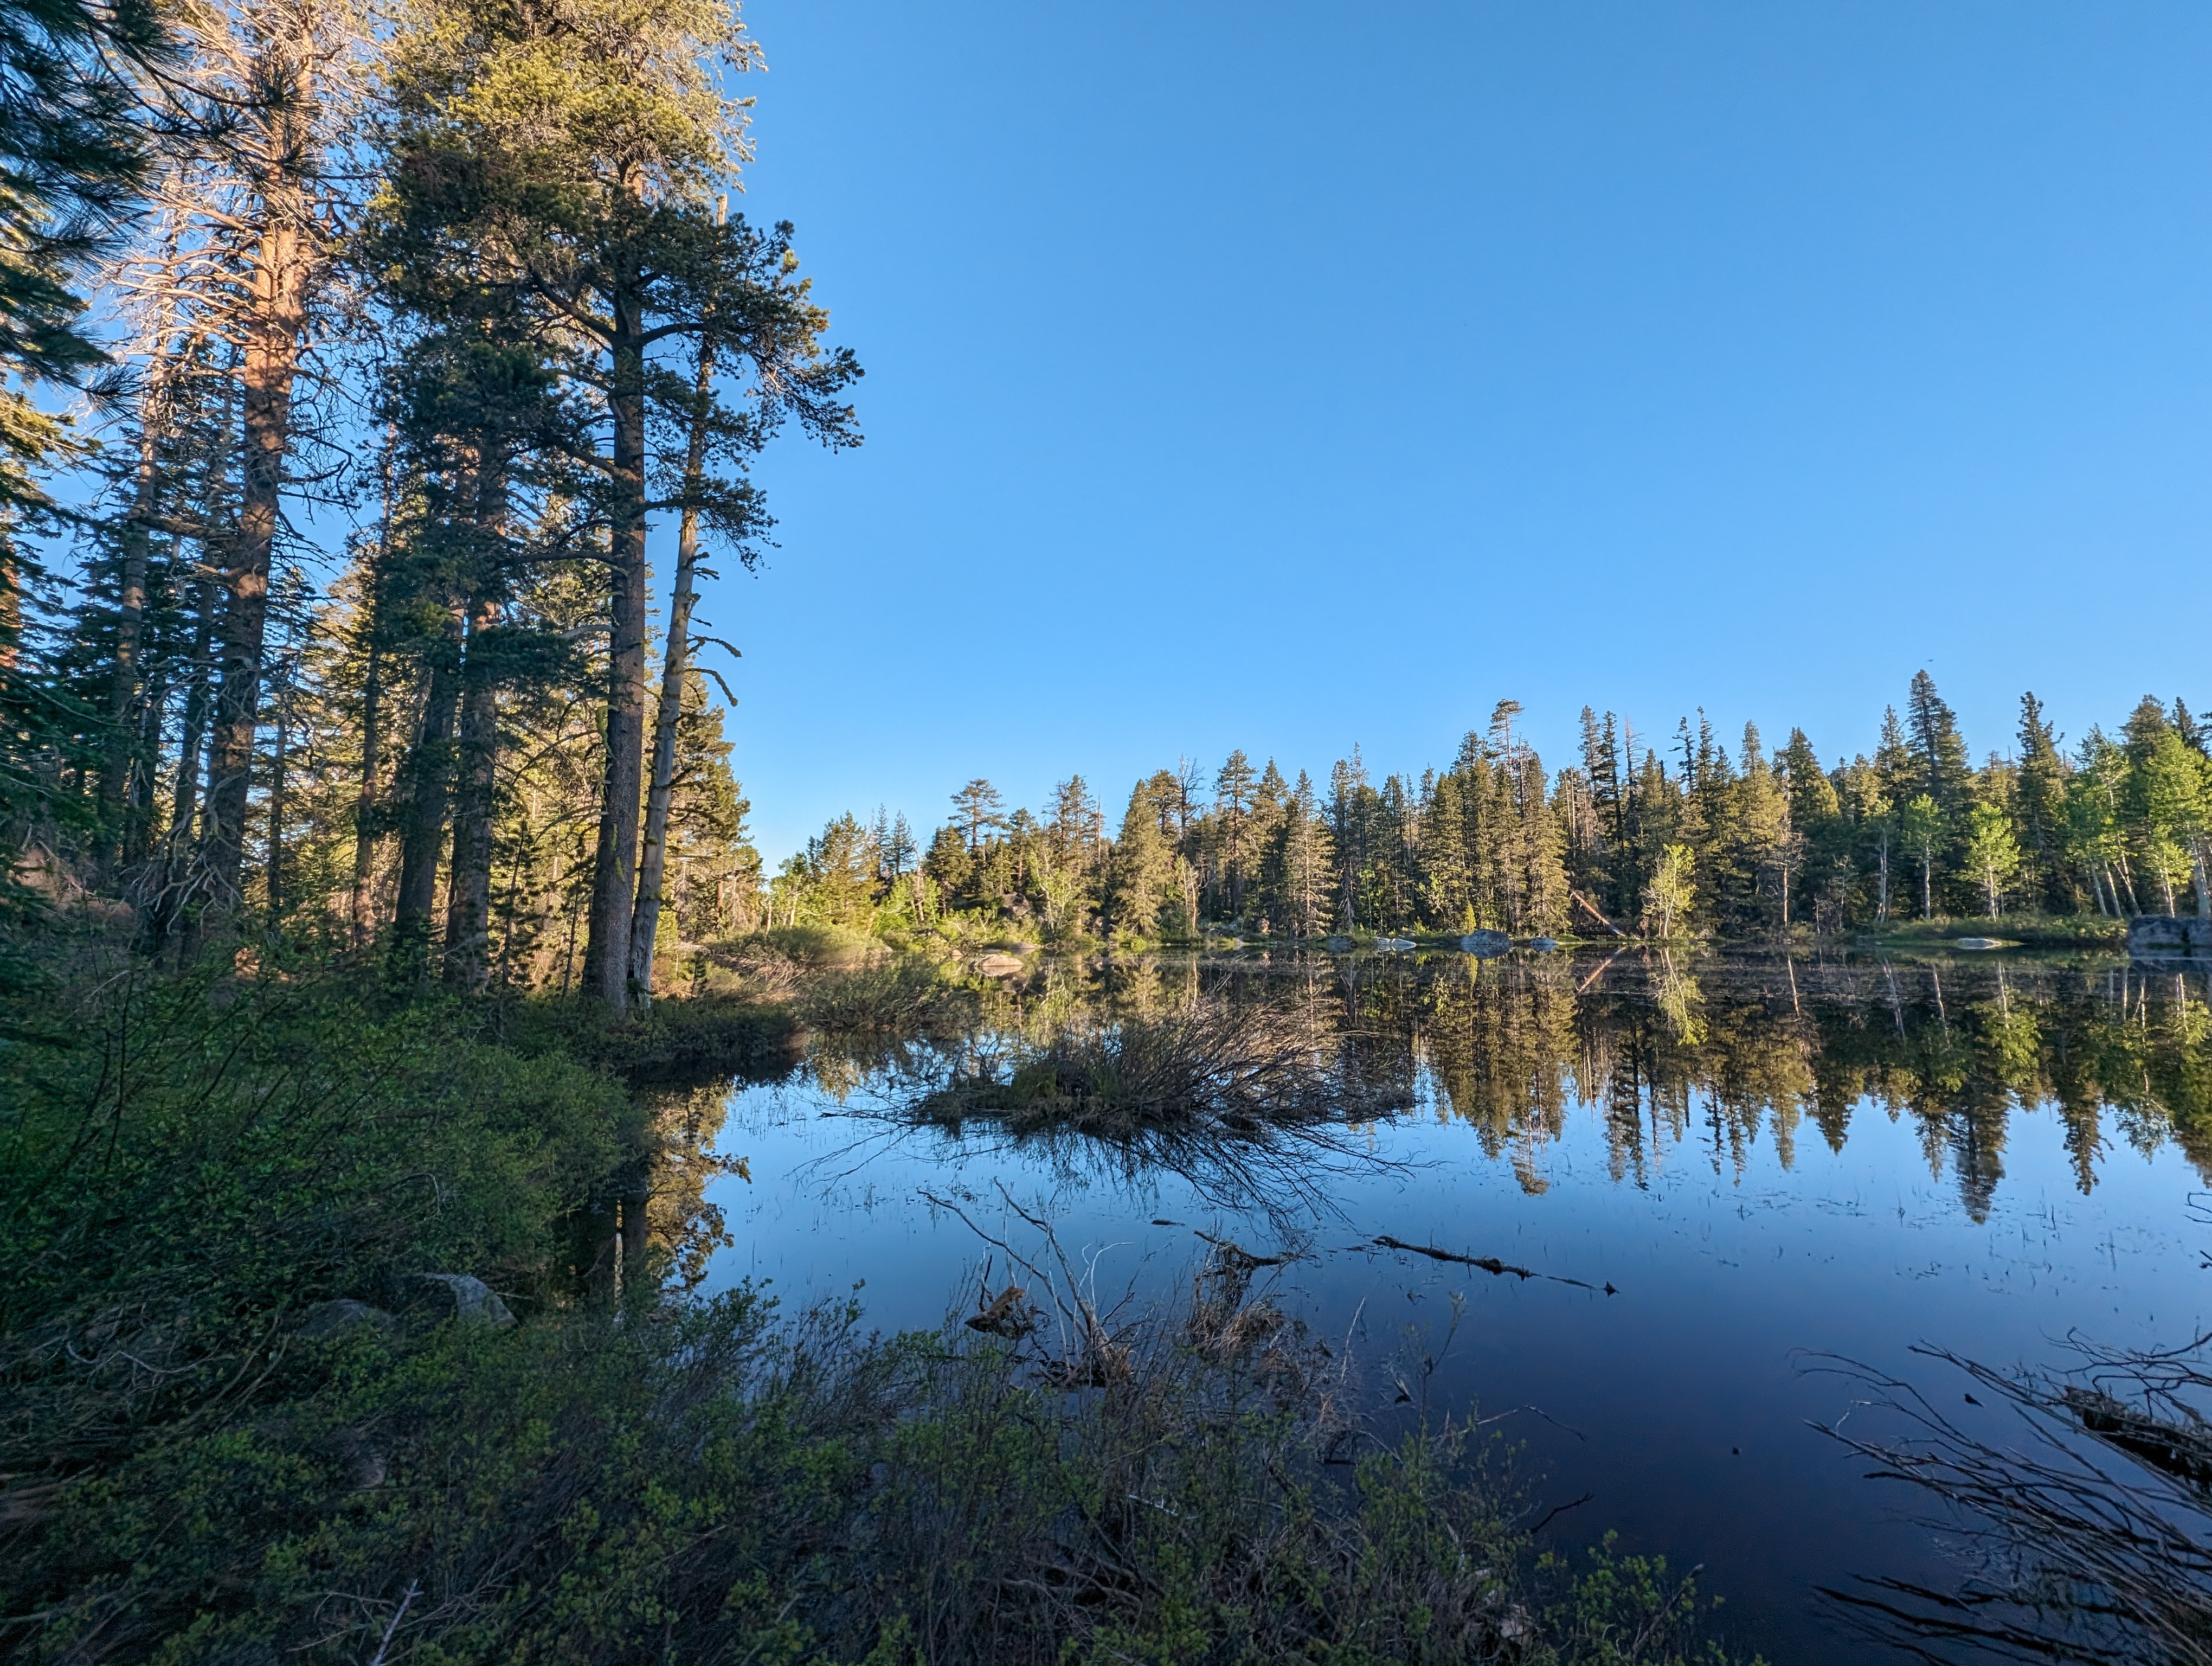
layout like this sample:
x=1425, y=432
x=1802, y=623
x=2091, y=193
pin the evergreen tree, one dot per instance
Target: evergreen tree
x=1301, y=865
x=1349, y=814
x=1938, y=748
x=74, y=152
x=950, y=865
x=1141, y=879
x=2040, y=799
x=1774, y=849
x=571, y=156
x=1233, y=786
x=979, y=809
x=1447, y=898
x=1607, y=838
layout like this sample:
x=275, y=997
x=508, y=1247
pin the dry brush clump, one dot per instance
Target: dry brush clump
x=894, y=996
x=1214, y=1068
x=1249, y=1105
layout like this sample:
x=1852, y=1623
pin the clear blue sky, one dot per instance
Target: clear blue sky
x=1286, y=376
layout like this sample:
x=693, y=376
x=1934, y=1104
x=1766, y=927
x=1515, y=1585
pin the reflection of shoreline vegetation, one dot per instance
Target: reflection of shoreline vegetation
x=247, y=1423
x=1727, y=1051
x=1675, y=1046
x=1746, y=1049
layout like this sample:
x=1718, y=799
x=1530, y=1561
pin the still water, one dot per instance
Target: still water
x=1768, y=1162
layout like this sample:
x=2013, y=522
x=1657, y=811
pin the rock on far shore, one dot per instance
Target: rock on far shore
x=2170, y=933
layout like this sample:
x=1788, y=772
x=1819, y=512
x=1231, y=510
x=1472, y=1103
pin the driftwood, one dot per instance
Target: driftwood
x=1490, y=1264
x=1008, y=1315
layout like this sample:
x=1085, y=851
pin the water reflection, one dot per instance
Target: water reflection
x=1718, y=1054
x=1763, y=1157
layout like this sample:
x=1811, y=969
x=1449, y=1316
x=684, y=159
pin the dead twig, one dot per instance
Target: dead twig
x=1490, y=1264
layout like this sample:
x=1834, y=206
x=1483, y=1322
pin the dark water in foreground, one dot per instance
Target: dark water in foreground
x=1767, y=1160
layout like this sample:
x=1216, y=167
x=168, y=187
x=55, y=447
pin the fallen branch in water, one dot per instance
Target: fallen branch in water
x=1236, y=1255
x=2067, y=1555
x=1489, y=1264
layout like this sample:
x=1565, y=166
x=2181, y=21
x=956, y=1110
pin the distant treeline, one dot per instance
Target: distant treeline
x=1634, y=837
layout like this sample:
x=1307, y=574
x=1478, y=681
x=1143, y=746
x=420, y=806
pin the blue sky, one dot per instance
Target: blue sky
x=1289, y=377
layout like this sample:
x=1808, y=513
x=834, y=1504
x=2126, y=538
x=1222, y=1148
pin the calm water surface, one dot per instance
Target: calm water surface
x=1768, y=1161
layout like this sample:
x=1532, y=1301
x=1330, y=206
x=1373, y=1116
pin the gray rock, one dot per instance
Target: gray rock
x=1485, y=943
x=474, y=1304
x=1979, y=943
x=1543, y=945
x=327, y=1319
x=366, y=1466
x=1337, y=944
x=2169, y=933
x=1395, y=944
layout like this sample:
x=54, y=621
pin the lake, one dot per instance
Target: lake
x=1716, y=1172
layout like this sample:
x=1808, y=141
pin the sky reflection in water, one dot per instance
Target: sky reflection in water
x=1767, y=1160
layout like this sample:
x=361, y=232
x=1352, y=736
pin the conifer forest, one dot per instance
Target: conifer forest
x=437, y=1216
x=1626, y=841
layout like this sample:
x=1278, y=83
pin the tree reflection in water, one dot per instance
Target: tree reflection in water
x=1721, y=1050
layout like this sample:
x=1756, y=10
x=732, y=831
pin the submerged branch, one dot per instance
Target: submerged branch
x=2073, y=1556
x=1490, y=1264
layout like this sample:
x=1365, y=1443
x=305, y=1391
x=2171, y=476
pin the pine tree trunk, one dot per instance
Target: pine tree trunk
x=171, y=891
x=468, y=903
x=614, y=863
x=123, y=755
x=645, y=921
x=138, y=804
x=422, y=818
x=276, y=323
x=364, y=813
x=276, y=872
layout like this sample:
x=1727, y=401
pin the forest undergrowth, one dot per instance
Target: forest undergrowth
x=311, y=1350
